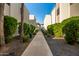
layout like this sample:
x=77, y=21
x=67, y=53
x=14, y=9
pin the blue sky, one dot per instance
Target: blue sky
x=40, y=10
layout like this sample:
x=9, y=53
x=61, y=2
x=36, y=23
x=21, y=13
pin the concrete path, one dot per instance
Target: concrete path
x=38, y=47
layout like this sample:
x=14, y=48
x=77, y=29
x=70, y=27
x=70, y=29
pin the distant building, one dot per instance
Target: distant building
x=47, y=21
x=32, y=20
x=42, y=25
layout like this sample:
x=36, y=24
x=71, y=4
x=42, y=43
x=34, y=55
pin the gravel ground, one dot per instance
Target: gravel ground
x=60, y=48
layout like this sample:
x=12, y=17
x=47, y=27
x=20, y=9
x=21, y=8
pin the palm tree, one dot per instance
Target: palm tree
x=22, y=18
x=2, y=41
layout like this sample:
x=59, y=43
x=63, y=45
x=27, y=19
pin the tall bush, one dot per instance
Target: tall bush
x=71, y=30
x=32, y=28
x=28, y=31
x=25, y=28
x=50, y=29
x=68, y=19
x=10, y=26
x=57, y=29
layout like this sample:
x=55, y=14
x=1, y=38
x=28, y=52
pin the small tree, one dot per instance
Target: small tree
x=22, y=21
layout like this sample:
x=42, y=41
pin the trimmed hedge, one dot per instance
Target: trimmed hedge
x=31, y=31
x=50, y=29
x=25, y=27
x=71, y=30
x=10, y=26
x=68, y=20
x=57, y=29
x=28, y=31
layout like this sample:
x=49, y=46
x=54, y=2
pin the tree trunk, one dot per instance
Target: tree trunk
x=2, y=41
x=22, y=18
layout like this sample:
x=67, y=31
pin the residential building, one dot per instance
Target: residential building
x=47, y=21
x=14, y=10
x=66, y=10
x=7, y=9
x=32, y=20
x=53, y=16
x=26, y=15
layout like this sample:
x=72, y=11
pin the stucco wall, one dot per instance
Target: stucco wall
x=74, y=9
x=47, y=21
x=64, y=11
x=26, y=15
x=57, y=16
x=6, y=10
x=53, y=16
x=32, y=20
x=15, y=11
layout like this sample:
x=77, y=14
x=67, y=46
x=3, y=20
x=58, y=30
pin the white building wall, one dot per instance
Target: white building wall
x=32, y=20
x=74, y=9
x=6, y=9
x=15, y=11
x=47, y=21
x=64, y=11
x=31, y=17
x=26, y=15
x=53, y=16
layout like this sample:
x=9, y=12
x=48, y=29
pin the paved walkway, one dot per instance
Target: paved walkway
x=38, y=47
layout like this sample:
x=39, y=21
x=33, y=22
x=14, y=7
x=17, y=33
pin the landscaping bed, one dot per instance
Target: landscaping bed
x=14, y=48
x=15, y=45
x=59, y=47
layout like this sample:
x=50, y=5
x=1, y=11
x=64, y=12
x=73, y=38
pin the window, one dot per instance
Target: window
x=8, y=4
x=58, y=11
x=71, y=3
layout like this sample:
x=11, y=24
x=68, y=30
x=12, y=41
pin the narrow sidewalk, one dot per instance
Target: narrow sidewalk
x=38, y=47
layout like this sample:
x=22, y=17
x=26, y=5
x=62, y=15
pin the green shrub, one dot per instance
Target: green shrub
x=10, y=26
x=44, y=31
x=35, y=31
x=26, y=28
x=68, y=19
x=28, y=31
x=57, y=29
x=32, y=28
x=25, y=38
x=71, y=30
x=50, y=29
